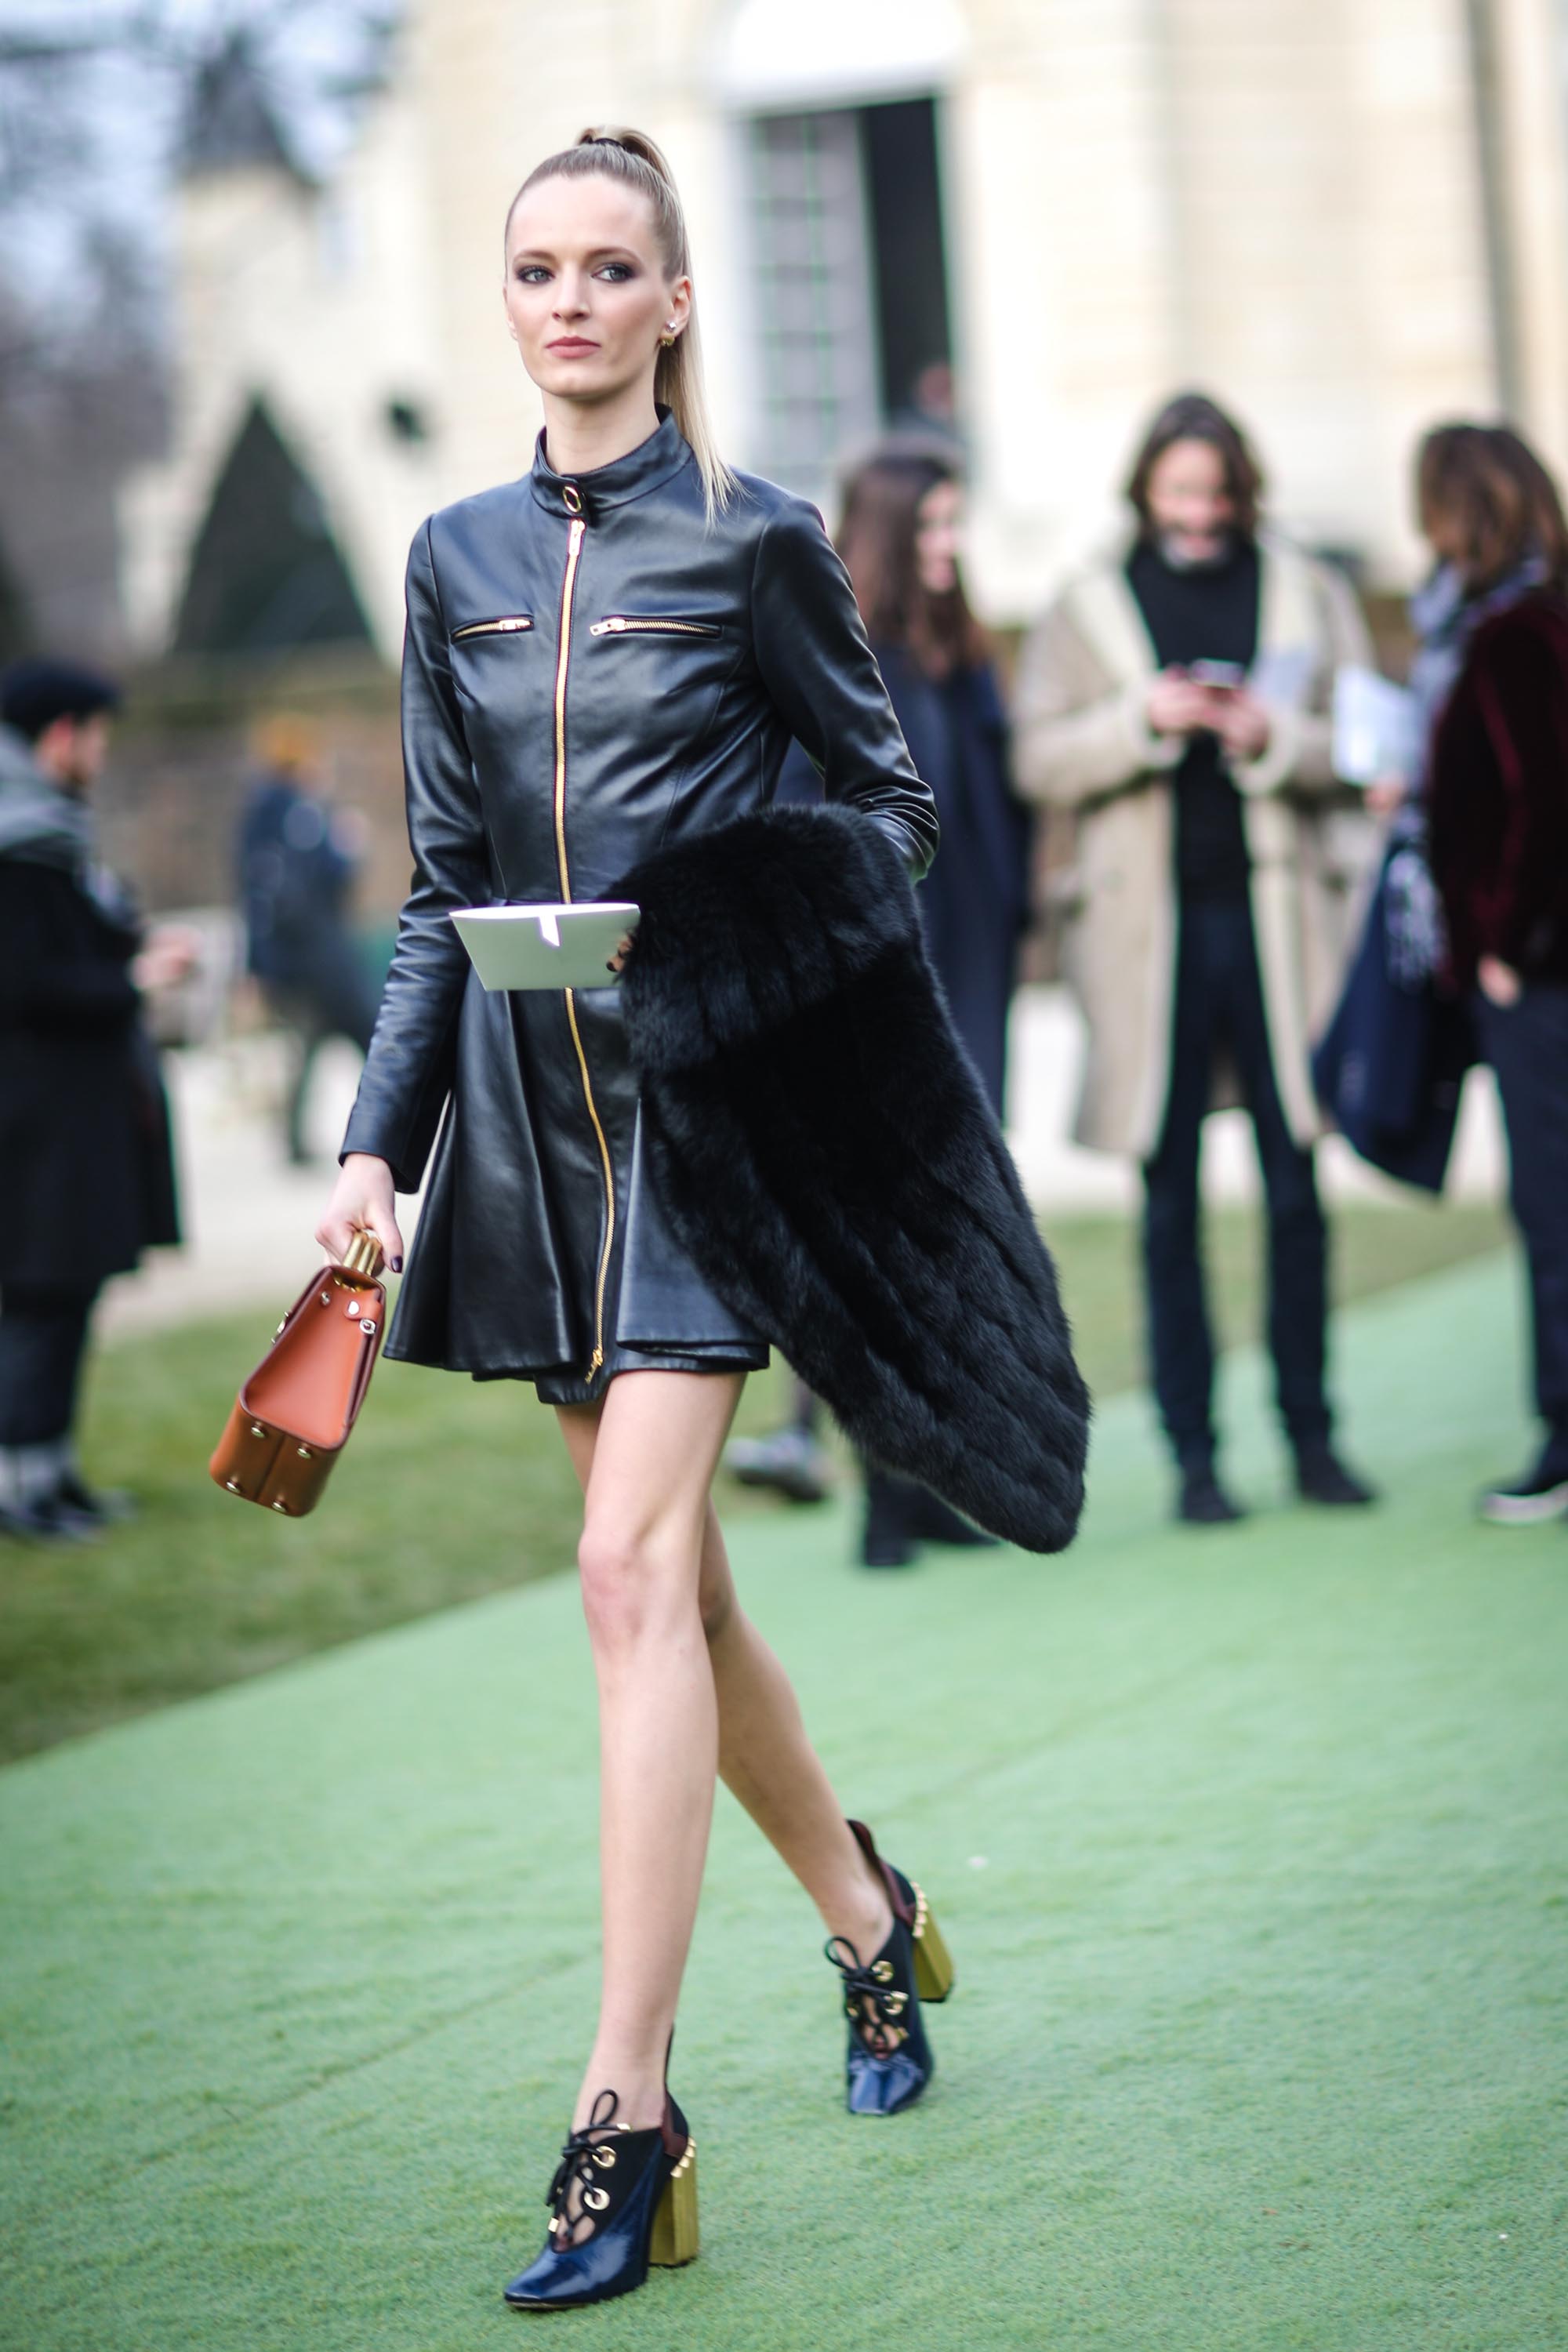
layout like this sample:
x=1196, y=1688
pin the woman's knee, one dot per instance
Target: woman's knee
x=633, y=1584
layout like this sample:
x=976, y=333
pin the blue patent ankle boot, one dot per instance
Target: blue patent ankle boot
x=890, y=2061
x=620, y=2202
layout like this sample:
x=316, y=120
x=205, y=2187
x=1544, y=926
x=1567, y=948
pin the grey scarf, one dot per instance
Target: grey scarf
x=39, y=824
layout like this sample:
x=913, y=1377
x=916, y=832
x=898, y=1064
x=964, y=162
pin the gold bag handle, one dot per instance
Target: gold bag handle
x=363, y=1255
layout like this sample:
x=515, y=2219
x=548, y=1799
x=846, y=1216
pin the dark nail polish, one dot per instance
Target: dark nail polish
x=397, y=1266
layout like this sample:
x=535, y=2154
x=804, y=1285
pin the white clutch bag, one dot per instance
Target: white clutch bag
x=546, y=947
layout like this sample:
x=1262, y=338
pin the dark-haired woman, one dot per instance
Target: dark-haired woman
x=1177, y=697
x=607, y=657
x=1494, y=673
x=900, y=537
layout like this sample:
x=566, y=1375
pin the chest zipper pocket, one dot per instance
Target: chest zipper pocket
x=657, y=624
x=508, y=625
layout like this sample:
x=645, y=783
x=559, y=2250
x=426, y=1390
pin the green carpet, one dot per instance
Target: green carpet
x=1251, y=1848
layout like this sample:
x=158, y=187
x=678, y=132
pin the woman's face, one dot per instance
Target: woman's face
x=1190, y=505
x=586, y=295
x=938, y=533
x=1445, y=533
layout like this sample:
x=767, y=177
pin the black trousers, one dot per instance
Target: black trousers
x=341, y=1004
x=42, y=1339
x=1219, y=1003
x=1526, y=1046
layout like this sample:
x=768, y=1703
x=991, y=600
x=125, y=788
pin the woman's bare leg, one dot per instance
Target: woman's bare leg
x=767, y=1761
x=765, y=1756
x=653, y=1453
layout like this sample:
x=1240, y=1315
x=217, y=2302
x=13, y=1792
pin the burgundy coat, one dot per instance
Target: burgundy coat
x=1499, y=795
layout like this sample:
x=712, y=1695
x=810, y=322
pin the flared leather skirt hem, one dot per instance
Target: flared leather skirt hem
x=562, y=1384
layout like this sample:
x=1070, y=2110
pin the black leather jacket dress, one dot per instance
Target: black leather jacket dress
x=592, y=672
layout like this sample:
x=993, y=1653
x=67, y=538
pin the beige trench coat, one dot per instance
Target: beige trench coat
x=1081, y=741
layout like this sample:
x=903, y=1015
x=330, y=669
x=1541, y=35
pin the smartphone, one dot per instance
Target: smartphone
x=1220, y=677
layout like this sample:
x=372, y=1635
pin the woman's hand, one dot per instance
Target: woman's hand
x=363, y=1200
x=1387, y=795
x=1242, y=724
x=1176, y=705
x=168, y=957
x=618, y=962
x=1498, y=981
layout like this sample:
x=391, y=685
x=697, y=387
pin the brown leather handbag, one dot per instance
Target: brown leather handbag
x=294, y=1413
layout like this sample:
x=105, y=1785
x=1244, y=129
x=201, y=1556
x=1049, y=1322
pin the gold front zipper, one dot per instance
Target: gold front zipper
x=626, y=623
x=574, y=550
x=504, y=627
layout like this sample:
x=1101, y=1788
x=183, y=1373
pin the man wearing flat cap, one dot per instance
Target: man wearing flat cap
x=86, y=1169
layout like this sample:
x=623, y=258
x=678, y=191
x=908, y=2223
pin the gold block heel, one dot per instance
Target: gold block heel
x=934, y=1964
x=674, y=2239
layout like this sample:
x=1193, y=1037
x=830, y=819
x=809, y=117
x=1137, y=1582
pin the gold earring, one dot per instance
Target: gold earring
x=667, y=341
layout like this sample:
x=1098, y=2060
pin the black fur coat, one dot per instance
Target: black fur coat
x=825, y=1156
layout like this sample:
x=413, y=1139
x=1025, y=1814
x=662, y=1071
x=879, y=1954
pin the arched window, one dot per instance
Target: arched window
x=265, y=574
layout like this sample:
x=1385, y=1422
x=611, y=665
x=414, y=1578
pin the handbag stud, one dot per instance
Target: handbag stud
x=233, y=1486
x=257, y=1430
x=280, y=1506
x=305, y=1454
x=368, y=1327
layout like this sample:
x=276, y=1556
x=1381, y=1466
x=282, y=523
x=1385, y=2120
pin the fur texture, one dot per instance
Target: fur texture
x=825, y=1154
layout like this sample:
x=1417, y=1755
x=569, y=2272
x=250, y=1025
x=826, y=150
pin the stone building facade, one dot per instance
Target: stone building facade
x=1347, y=220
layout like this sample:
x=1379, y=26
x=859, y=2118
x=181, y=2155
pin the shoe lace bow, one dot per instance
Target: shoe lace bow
x=874, y=2001
x=585, y=2159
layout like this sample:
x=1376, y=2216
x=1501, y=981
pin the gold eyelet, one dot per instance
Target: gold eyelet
x=595, y=2199
x=605, y=2157
x=883, y=1971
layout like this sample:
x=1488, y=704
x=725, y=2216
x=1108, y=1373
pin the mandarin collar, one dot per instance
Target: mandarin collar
x=642, y=469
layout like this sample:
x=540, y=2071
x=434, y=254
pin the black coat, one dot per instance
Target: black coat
x=974, y=901
x=85, y=1171
x=1498, y=794
x=592, y=669
x=825, y=1153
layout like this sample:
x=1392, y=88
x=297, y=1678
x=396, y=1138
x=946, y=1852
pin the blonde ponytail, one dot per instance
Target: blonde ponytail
x=631, y=157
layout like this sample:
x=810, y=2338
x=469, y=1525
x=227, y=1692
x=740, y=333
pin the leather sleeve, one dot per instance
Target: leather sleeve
x=408, y=1071
x=820, y=672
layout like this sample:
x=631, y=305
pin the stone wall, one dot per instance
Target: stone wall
x=168, y=808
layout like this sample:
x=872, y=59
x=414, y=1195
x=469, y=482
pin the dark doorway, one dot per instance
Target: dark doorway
x=904, y=193
x=852, y=321
x=15, y=633
x=266, y=575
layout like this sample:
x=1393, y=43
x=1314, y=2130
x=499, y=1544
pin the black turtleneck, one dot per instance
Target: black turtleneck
x=1206, y=614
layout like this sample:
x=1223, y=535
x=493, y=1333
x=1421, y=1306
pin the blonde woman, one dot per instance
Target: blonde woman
x=604, y=658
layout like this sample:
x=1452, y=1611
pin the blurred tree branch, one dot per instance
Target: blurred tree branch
x=95, y=111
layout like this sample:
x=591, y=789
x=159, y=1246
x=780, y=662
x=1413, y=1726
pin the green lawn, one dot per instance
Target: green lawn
x=451, y=1490
x=1251, y=1846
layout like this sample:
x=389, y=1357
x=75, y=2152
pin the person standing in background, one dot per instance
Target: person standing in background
x=900, y=537
x=87, y=1177
x=1497, y=802
x=297, y=861
x=1177, y=696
